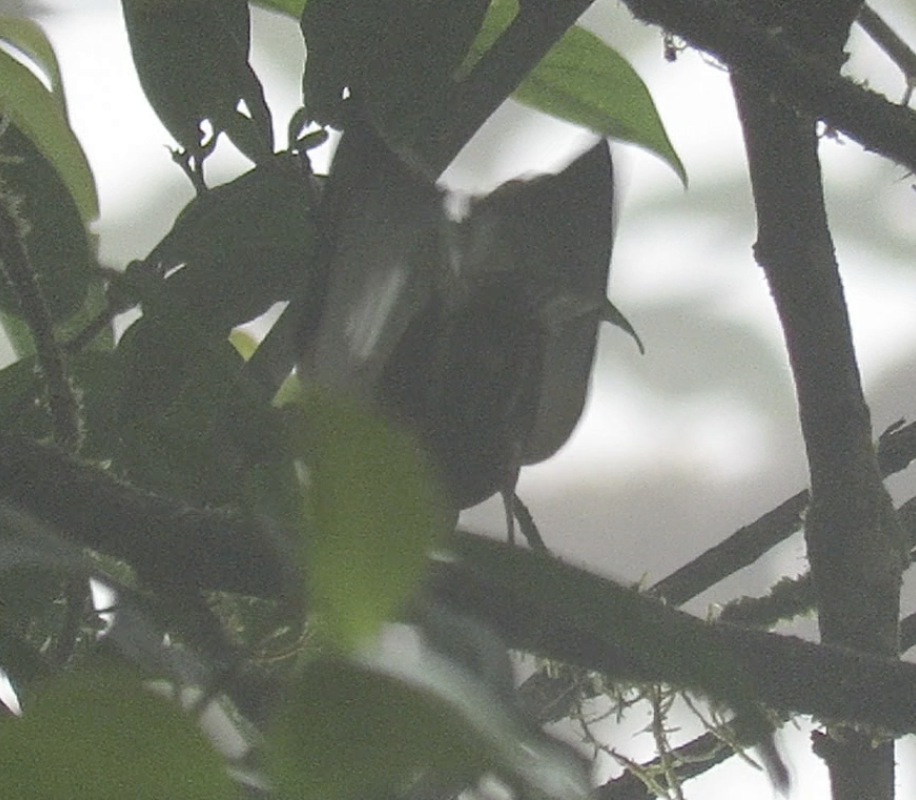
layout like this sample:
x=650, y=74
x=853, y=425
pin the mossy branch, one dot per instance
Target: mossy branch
x=63, y=405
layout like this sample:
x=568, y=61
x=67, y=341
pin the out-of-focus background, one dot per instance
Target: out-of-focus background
x=681, y=446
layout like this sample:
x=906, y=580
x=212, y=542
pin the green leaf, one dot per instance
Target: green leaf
x=347, y=731
x=375, y=512
x=292, y=8
x=586, y=82
x=397, y=713
x=29, y=38
x=498, y=17
x=102, y=736
x=40, y=116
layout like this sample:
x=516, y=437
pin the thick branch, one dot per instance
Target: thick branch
x=169, y=543
x=768, y=60
x=790, y=674
x=855, y=544
x=164, y=541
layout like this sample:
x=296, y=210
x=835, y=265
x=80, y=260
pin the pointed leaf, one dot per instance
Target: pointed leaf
x=192, y=61
x=56, y=237
x=586, y=82
x=29, y=38
x=40, y=116
x=613, y=316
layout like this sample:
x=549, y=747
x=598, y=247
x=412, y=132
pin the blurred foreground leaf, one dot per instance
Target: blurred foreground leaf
x=102, y=736
x=401, y=717
x=375, y=512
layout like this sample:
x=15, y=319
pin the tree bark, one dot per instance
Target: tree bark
x=856, y=547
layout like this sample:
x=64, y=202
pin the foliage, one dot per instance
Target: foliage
x=275, y=520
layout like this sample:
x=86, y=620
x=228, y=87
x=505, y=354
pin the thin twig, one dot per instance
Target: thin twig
x=891, y=43
x=896, y=449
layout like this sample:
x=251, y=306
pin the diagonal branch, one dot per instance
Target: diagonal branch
x=535, y=29
x=217, y=550
x=769, y=61
x=888, y=40
x=896, y=449
x=790, y=674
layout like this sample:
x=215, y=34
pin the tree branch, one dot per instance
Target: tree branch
x=772, y=63
x=896, y=449
x=791, y=674
x=170, y=543
x=888, y=40
x=856, y=547
x=17, y=268
x=536, y=28
x=164, y=541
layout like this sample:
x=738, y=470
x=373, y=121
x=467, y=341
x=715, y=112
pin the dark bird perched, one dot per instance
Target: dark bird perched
x=478, y=335
x=192, y=62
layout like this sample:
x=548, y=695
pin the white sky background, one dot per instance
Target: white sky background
x=679, y=447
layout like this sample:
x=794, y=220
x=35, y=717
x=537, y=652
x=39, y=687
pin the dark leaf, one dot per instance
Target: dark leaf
x=402, y=717
x=192, y=61
x=237, y=249
x=188, y=422
x=393, y=57
x=56, y=238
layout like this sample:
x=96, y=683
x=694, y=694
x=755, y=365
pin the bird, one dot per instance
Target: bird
x=477, y=335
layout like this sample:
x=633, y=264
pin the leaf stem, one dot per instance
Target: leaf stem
x=897, y=50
